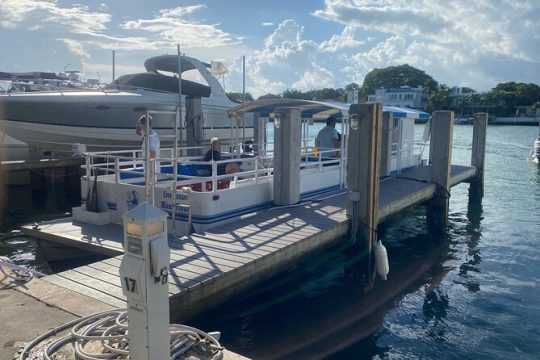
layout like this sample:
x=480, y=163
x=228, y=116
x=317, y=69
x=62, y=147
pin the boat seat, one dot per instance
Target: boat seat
x=221, y=184
x=189, y=169
x=130, y=175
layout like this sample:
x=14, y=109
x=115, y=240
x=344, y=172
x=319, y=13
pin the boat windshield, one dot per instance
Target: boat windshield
x=158, y=82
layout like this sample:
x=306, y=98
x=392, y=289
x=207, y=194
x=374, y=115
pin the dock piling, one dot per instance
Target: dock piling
x=478, y=153
x=363, y=156
x=442, y=129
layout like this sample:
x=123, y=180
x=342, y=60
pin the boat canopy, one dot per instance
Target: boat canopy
x=159, y=82
x=317, y=109
x=170, y=63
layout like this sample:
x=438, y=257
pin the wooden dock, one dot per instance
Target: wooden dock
x=209, y=268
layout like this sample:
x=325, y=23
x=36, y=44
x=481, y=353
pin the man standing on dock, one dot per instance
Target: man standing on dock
x=328, y=138
x=153, y=142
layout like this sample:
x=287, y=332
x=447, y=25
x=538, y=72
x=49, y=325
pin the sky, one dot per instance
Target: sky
x=295, y=44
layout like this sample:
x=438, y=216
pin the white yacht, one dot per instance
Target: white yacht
x=105, y=119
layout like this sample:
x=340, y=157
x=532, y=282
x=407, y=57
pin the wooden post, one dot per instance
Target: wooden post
x=363, y=156
x=442, y=128
x=386, y=144
x=478, y=154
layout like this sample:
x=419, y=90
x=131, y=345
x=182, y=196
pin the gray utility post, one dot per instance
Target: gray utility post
x=363, y=156
x=144, y=274
x=287, y=133
x=478, y=154
x=442, y=128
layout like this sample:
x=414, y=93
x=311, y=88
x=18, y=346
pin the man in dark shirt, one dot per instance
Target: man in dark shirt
x=214, y=154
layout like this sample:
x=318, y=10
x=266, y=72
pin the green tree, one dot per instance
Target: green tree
x=510, y=94
x=237, y=97
x=394, y=77
x=295, y=94
x=269, y=96
x=440, y=99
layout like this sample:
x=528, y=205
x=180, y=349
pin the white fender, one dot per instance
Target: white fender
x=381, y=260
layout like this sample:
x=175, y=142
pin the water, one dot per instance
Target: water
x=472, y=292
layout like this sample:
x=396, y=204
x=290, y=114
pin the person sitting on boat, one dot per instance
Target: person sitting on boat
x=214, y=154
x=328, y=138
x=153, y=143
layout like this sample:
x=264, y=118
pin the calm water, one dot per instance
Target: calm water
x=471, y=293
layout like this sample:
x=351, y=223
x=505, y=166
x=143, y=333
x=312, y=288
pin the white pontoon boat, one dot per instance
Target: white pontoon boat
x=198, y=196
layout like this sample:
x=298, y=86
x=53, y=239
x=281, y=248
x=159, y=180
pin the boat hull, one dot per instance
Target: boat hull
x=100, y=120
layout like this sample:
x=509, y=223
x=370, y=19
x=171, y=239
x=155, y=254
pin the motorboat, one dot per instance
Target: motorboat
x=105, y=118
x=197, y=197
x=462, y=121
x=535, y=151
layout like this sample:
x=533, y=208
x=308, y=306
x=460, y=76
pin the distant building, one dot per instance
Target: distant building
x=404, y=96
x=352, y=96
x=457, y=96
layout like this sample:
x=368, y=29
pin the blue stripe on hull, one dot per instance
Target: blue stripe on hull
x=243, y=211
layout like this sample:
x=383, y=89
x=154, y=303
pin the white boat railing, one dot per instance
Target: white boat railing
x=128, y=167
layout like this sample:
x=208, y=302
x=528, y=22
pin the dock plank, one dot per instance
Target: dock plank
x=85, y=290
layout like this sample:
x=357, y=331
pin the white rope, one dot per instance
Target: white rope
x=22, y=274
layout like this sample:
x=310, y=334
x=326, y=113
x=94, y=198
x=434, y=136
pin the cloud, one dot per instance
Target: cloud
x=384, y=16
x=48, y=16
x=76, y=47
x=316, y=77
x=287, y=60
x=177, y=26
x=267, y=24
x=458, y=42
x=339, y=42
x=79, y=27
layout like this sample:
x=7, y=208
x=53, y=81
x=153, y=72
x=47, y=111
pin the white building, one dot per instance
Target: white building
x=404, y=96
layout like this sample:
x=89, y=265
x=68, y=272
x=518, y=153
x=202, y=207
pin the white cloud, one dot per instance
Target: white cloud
x=344, y=40
x=76, y=47
x=283, y=58
x=176, y=26
x=48, y=16
x=456, y=42
x=316, y=77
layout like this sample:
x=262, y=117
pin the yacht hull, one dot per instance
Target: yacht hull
x=100, y=120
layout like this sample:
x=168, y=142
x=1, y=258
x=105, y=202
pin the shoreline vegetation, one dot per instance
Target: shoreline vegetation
x=506, y=99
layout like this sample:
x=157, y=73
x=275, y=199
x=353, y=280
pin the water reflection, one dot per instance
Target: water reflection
x=322, y=308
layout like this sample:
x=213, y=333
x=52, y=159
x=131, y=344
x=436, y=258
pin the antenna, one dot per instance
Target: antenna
x=243, y=78
x=113, y=65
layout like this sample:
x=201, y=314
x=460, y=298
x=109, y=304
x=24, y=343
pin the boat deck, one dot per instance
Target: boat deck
x=208, y=268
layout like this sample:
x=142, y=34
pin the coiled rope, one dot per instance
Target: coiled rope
x=22, y=274
x=110, y=330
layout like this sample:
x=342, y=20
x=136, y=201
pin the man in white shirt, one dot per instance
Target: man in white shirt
x=328, y=138
x=153, y=142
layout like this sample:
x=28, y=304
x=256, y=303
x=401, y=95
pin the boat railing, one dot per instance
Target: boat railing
x=315, y=158
x=21, y=87
x=127, y=166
